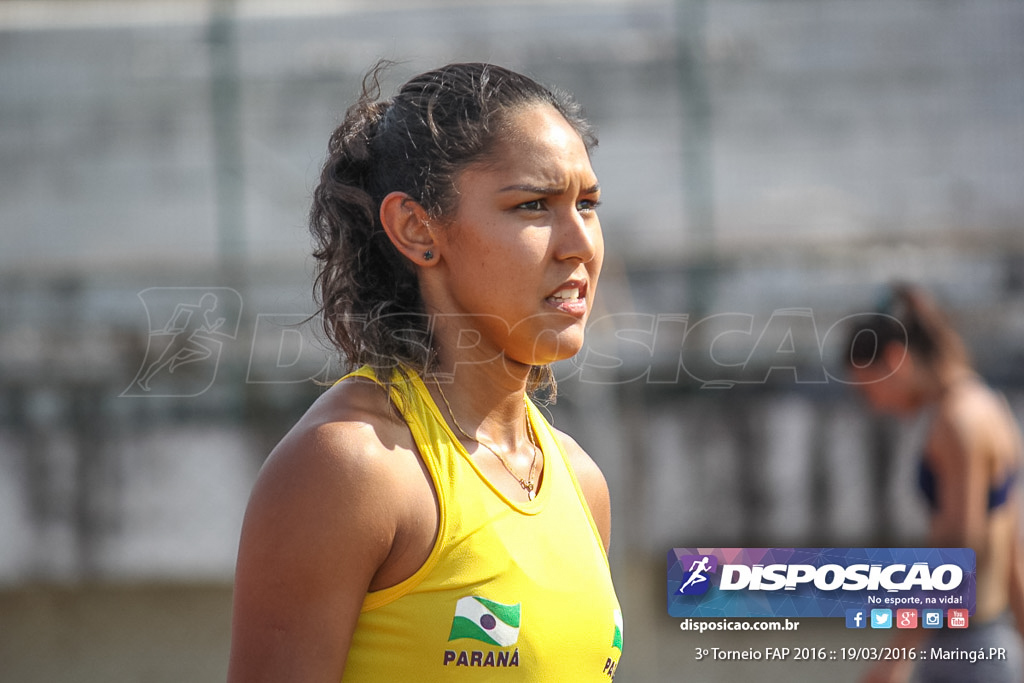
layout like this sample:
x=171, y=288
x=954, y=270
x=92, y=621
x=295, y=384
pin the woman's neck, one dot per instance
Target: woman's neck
x=944, y=379
x=484, y=399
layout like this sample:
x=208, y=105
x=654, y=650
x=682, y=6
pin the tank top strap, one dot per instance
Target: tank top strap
x=411, y=398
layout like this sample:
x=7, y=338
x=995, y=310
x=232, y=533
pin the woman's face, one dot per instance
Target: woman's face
x=520, y=258
x=889, y=383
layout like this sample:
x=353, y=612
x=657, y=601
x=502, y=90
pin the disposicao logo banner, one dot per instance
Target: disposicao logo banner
x=816, y=582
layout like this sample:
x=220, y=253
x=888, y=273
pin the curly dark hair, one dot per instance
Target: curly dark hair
x=417, y=142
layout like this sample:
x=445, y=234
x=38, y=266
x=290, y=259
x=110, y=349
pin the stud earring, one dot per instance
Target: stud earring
x=428, y=255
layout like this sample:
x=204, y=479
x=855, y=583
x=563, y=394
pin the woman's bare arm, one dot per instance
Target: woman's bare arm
x=962, y=473
x=318, y=527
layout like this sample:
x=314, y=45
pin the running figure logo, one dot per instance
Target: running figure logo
x=696, y=581
x=187, y=327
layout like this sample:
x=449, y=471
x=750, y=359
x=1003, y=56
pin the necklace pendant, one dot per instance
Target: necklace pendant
x=530, y=495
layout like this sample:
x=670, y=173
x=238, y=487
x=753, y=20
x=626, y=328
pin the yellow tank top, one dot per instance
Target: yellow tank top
x=510, y=592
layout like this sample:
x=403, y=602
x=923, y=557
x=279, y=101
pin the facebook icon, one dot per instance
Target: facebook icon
x=856, y=618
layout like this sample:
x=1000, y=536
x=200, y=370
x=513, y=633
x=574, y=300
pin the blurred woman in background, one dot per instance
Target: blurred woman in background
x=907, y=361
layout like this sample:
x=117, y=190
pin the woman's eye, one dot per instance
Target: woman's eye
x=587, y=205
x=535, y=205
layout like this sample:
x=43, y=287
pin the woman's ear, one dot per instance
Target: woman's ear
x=407, y=225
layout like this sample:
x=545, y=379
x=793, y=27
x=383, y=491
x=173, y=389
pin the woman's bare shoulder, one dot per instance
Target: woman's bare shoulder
x=346, y=439
x=974, y=418
x=335, y=490
x=583, y=465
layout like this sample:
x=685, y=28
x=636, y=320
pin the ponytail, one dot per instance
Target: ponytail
x=909, y=316
x=364, y=287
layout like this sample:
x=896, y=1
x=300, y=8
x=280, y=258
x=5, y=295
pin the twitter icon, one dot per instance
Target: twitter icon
x=881, y=618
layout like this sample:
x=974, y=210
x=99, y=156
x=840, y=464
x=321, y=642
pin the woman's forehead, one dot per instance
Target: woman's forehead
x=538, y=147
x=538, y=124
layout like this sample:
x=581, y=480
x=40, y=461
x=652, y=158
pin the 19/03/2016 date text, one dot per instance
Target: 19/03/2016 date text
x=848, y=654
x=932, y=653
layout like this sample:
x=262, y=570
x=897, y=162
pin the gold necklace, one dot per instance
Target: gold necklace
x=527, y=484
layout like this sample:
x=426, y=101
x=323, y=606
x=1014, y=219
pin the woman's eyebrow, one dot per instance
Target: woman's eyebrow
x=535, y=189
x=538, y=189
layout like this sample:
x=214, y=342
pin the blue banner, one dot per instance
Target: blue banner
x=817, y=582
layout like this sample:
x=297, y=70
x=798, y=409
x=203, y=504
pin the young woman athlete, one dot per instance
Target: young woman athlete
x=423, y=522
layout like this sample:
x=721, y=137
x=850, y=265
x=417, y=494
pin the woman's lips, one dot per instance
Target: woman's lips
x=568, y=299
